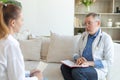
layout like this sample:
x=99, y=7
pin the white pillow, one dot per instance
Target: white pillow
x=31, y=49
x=62, y=47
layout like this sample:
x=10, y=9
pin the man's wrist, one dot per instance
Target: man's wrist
x=91, y=63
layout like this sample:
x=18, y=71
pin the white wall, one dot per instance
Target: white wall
x=43, y=16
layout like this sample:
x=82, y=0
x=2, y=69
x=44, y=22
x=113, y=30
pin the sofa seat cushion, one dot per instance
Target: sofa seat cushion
x=51, y=72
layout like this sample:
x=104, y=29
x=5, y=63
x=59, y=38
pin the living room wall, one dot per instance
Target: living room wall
x=43, y=16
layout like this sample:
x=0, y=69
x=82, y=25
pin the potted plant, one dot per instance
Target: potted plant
x=87, y=3
x=11, y=2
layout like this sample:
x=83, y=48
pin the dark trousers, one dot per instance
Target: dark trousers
x=87, y=73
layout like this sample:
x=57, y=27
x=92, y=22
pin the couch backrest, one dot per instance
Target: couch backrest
x=114, y=70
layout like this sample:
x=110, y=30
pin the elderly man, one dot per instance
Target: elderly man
x=95, y=53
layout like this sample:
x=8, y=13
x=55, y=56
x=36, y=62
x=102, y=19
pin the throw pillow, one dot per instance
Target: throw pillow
x=45, y=47
x=62, y=47
x=31, y=49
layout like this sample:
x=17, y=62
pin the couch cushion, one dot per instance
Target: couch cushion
x=31, y=49
x=62, y=47
x=51, y=72
x=45, y=47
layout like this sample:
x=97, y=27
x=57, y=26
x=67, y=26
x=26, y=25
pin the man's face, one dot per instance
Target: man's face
x=91, y=25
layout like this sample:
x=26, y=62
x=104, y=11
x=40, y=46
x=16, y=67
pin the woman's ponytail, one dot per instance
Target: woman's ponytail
x=4, y=31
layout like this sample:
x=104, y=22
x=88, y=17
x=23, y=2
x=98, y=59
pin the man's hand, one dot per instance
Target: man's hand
x=84, y=63
x=88, y=63
x=80, y=60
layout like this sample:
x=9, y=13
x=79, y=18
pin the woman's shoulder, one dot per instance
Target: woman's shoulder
x=10, y=41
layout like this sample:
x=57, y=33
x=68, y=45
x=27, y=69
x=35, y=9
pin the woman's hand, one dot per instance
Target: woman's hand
x=37, y=73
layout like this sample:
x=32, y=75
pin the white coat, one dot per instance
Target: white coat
x=102, y=49
x=11, y=60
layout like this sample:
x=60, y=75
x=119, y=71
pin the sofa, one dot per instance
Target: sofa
x=51, y=50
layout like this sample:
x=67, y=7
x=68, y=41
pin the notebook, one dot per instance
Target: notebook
x=72, y=64
x=41, y=66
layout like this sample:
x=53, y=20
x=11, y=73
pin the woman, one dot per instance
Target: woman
x=11, y=59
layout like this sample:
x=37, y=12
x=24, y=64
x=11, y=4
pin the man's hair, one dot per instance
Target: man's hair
x=94, y=15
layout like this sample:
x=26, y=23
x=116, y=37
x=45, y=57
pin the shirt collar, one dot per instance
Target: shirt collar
x=95, y=35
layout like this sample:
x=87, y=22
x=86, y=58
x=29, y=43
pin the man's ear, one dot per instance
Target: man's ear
x=98, y=23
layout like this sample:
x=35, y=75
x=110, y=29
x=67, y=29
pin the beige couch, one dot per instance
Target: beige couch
x=36, y=50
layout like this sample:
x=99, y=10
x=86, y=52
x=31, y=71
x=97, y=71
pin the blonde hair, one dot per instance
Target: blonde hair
x=7, y=12
x=4, y=31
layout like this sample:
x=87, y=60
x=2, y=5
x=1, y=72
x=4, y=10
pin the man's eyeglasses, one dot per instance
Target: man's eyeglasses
x=89, y=23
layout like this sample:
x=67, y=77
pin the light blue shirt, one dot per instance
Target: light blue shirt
x=87, y=53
